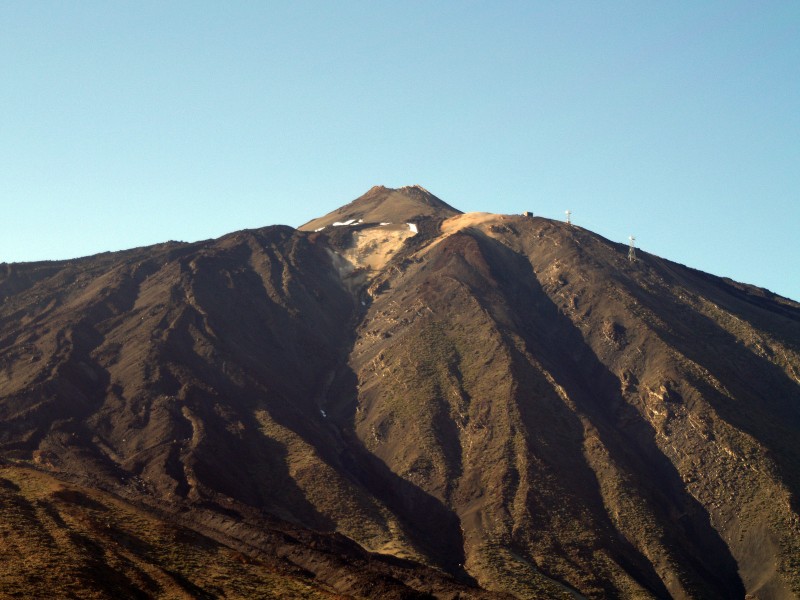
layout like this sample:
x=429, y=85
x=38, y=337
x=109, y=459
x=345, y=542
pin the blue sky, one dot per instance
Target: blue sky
x=124, y=124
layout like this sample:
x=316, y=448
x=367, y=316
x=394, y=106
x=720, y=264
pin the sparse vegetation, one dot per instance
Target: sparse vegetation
x=60, y=541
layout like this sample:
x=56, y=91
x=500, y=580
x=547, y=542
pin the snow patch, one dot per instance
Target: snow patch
x=382, y=224
x=322, y=412
x=413, y=227
x=343, y=223
x=319, y=229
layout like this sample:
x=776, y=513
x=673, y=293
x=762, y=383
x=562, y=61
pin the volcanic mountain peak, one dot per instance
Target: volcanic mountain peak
x=385, y=205
x=495, y=400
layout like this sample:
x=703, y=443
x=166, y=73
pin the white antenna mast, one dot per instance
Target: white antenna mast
x=632, y=249
x=568, y=213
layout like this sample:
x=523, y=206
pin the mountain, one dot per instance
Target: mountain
x=398, y=400
x=385, y=205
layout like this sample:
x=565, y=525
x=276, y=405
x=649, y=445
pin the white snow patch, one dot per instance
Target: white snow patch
x=342, y=223
x=318, y=229
x=322, y=412
x=382, y=224
x=413, y=227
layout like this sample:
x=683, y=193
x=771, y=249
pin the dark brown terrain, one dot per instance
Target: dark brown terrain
x=411, y=403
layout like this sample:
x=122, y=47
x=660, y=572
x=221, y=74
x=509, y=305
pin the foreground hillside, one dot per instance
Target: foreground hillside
x=474, y=403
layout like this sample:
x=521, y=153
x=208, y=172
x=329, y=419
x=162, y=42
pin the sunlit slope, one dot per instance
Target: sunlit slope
x=568, y=402
x=385, y=205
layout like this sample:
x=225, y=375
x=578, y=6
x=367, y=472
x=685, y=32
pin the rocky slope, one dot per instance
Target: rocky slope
x=471, y=405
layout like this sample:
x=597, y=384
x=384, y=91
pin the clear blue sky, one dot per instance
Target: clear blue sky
x=130, y=123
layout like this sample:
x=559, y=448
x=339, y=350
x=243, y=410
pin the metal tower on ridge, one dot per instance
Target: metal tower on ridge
x=632, y=249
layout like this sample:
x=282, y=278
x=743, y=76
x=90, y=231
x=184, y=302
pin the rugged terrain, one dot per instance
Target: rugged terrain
x=397, y=400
